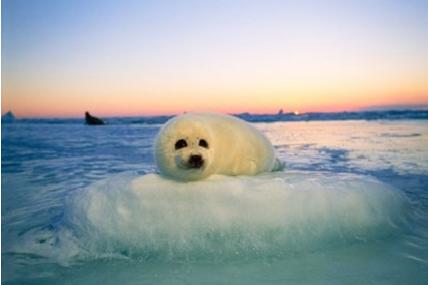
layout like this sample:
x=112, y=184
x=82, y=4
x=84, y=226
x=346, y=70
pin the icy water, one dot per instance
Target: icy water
x=84, y=205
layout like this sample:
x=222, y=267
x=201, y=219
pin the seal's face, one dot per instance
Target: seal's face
x=189, y=155
x=184, y=150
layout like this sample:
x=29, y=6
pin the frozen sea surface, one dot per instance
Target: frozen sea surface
x=84, y=205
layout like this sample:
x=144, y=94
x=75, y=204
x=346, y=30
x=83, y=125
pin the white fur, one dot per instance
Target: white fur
x=234, y=147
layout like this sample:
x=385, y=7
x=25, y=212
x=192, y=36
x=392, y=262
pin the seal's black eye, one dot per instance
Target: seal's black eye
x=203, y=143
x=180, y=144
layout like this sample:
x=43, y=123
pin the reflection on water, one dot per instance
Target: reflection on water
x=353, y=145
x=45, y=164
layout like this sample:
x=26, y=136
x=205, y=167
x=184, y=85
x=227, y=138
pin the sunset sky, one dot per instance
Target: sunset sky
x=113, y=58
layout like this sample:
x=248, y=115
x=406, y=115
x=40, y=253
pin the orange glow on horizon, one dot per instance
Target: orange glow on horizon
x=36, y=99
x=113, y=108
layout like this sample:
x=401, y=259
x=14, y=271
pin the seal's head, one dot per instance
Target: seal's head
x=184, y=149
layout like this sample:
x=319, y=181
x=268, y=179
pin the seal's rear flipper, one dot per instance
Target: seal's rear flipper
x=279, y=165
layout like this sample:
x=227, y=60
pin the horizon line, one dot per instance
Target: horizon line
x=414, y=108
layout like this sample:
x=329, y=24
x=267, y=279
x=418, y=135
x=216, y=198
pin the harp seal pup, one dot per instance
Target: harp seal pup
x=194, y=146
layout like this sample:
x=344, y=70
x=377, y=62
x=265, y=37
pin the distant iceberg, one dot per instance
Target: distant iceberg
x=91, y=120
x=8, y=117
x=336, y=116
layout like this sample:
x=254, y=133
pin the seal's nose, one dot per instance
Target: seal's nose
x=196, y=161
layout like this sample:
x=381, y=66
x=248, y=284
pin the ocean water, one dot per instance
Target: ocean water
x=84, y=205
